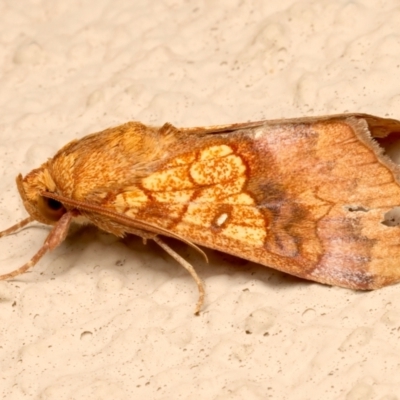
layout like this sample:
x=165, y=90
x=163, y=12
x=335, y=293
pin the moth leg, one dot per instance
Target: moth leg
x=189, y=268
x=15, y=227
x=42, y=251
x=54, y=238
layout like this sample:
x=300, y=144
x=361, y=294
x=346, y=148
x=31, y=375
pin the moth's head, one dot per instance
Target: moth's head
x=31, y=187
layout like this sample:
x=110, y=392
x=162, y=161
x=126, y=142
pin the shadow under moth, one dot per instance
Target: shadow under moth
x=313, y=197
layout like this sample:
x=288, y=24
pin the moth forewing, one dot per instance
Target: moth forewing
x=306, y=196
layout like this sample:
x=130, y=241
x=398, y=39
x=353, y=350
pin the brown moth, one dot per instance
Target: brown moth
x=310, y=196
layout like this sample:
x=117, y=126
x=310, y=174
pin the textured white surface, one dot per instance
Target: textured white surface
x=101, y=318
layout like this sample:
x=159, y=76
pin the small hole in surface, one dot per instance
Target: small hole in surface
x=86, y=335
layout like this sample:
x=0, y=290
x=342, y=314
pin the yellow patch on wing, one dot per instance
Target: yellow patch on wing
x=240, y=198
x=241, y=220
x=247, y=216
x=130, y=201
x=219, y=203
x=178, y=196
x=221, y=191
x=214, y=170
x=203, y=193
x=244, y=222
x=201, y=215
x=215, y=152
x=175, y=178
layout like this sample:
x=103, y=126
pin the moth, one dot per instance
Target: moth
x=312, y=197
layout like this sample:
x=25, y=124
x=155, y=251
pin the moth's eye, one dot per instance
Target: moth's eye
x=50, y=208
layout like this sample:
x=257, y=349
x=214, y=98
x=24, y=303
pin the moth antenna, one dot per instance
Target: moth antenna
x=189, y=268
x=193, y=246
x=54, y=238
x=16, y=227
